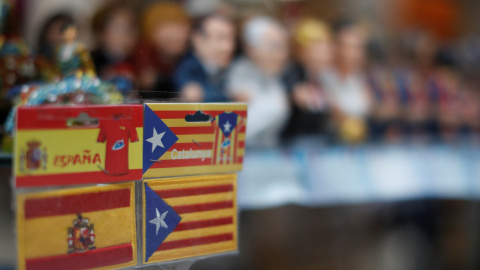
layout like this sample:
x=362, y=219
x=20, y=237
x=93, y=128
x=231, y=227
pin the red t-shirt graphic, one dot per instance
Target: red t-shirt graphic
x=117, y=133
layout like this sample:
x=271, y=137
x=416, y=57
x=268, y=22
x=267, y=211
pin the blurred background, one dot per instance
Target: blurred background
x=363, y=134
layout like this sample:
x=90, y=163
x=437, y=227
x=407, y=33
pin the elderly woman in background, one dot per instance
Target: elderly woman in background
x=314, y=55
x=256, y=79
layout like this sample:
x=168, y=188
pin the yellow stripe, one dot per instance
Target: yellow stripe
x=26, y=228
x=228, y=107
x=196, y=251
x=201, y=232
x=48, y=236
x=207, y=169
x=191, y=181
x=197, y=137
x=182, y=123
x=59, y=142
x=218, y=197
x=208, y=215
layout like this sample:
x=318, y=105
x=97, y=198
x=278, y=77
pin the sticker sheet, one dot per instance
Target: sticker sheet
x=58, y=146
x=188, y=139
x=81, y=228
x=188, y=217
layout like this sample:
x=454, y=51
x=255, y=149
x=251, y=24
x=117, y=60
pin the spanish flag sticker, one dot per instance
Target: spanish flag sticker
x=83, y=228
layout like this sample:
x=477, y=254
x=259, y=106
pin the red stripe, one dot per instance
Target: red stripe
x=242, y=129
x=76, y=178
x=80, y=203
x=228, y=153
x=240, y=159
x=241, y=144
x=191, y=130
x=181, y=163
x=196, y=241
x=192, y=225
x=235, y=145
x=185, y=209
x=182, y=114
x=215, y=148
x=102, y=257
x=175, y=193
x=55, y=117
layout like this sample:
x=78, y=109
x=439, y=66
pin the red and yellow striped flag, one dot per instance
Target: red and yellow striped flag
x=189, y=148
x=82, y=228
x=55, y=147
x=207, y=208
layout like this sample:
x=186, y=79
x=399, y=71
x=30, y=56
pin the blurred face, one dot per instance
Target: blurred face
x=120, y=34
x=351, y=48
x=171, y=38
x=425, y=51
x=70, y=34
x=271, y=54
x=53, y=33
x=217, y=42
x=317, y=55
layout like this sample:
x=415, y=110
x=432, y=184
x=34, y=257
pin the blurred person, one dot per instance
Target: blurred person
x=257, y=79
x=470, y=113
x=166, y=29
x=346, y=85
x=50, y=36
x=72, y=56
x=314, y=55
x=116, y=30
x=388, y=96
x=450, y=99
x=422, y=93
x=202, y=74
x=456, y=106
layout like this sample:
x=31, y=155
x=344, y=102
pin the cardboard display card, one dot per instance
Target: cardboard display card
x=58, y=146
x=189, y=139
x=82, y=228
x=188, y=217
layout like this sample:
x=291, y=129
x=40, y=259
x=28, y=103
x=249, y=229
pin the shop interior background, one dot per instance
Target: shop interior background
x=389, y=193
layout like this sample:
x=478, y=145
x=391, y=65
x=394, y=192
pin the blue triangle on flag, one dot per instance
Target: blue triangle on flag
x=227, y=123
x=157, y=138
x=160, y=221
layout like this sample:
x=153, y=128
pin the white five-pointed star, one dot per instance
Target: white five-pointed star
x=156, y=140
x=159, y=221
x=226, y=127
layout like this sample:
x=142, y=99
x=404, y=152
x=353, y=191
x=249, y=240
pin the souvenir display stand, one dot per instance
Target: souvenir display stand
x=126, y=186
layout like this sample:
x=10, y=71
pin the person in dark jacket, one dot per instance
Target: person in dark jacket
x=201, y=75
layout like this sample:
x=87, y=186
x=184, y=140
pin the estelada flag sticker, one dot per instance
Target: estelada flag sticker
x=57, y=146
x=177, y=143
x=83, y=228
x=188, y=217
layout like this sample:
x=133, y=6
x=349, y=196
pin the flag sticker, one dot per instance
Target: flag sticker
x=173, y=146
x=199, y=217
x=82, y=228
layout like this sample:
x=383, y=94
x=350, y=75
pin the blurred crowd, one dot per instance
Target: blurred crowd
x=311, y=77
